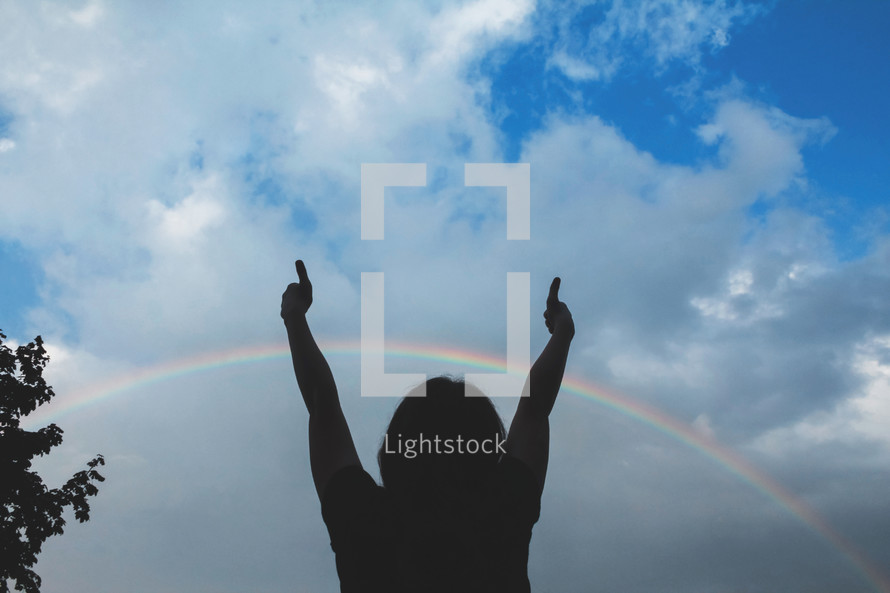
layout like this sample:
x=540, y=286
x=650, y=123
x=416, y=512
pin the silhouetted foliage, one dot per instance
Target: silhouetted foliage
x=29, y=511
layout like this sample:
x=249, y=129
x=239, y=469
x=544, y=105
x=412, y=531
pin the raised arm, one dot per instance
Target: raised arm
x=330, y=442
x=529, y=437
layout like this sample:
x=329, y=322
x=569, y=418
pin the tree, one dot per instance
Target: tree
x=29, y=511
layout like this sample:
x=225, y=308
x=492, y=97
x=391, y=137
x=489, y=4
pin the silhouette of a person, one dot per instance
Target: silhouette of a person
x=459, y=497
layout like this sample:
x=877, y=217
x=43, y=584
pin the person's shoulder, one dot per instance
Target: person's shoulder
x=517, y=489
x=348, y=491
x=514, y=468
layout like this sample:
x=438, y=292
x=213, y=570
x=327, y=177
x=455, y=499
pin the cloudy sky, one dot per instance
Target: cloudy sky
x=708, y=178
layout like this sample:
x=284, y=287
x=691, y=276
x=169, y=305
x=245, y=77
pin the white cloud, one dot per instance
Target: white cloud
x=863, y=417
x=89, y=14
x=735, y=304
x=122, y=219
x=719, y=38
x=50, y=60
x=660, y=31
x=183, y=223
x=456, y=32
x=740, y=282
x=873, y=407
x=761, y=143
x=702, y=425
x=345, y=83
x=574, y=68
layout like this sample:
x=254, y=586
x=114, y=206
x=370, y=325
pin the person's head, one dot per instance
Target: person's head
x=453, y=435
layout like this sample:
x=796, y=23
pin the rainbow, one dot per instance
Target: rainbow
x=648, y=415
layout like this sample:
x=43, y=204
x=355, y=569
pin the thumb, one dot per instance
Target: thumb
x=301, y=272
x=553, y=297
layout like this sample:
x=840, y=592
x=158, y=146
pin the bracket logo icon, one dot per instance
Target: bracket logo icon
x=375, y=381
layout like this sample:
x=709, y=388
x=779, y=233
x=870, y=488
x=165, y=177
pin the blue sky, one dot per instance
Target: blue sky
x=708, y=178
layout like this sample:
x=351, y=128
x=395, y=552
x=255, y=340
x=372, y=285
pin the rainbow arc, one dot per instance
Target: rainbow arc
x=623, y=404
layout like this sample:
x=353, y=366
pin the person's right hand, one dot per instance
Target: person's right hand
x=297, y=299
x=557, y=317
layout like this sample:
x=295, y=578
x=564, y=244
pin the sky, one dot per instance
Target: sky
x=707, y=178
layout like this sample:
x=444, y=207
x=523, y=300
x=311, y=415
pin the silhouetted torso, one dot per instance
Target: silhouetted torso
x=385, y=545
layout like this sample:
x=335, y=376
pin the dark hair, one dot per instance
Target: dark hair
x=451, y=409
x=442, y=512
